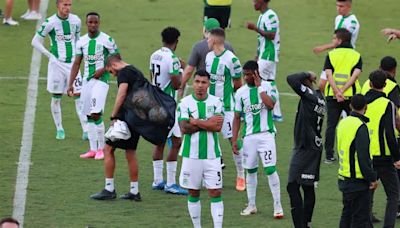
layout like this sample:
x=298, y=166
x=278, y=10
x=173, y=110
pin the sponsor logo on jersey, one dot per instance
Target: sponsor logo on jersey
x=215, y=78
x=254, y=108
x=92, y=59
x=307, y=176
x=65, y=38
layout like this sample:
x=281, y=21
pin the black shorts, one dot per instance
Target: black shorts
x=304, y=166
x=221, y=13
x=130, y=144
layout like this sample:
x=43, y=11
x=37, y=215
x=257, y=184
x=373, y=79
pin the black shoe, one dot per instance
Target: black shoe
x=398, y=214
x=222, y=163
x=131, y=196
x=329, y=160
x=374, y=219
x=104, y=195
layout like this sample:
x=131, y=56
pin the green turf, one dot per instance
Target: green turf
x=60, y=183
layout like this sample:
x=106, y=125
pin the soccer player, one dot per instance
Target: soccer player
x=200, y=119
x=356, y=175
x=307, y=150
x=267, y=30
x=255, y=101
x=226, y=71
x=219, y=9
x=127, y=77
x=166, y=73
x=93, y=48
x=64, y=30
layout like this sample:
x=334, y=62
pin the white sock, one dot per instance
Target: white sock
x=100, y=135
x=251, y=186
x=238, y=158
x=109, y=184
x=275, y=187
x=92, y=136
x=217, y=212
x=171, y=172
x=134, y=187
x=81, y=116
x=195, y=213
x=56, y=112
x=158, y=167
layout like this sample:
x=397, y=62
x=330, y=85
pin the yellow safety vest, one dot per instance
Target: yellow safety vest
x=218, y=2
x=390, y=85
x=375, y=112
x=348, y=160
x=343, y=61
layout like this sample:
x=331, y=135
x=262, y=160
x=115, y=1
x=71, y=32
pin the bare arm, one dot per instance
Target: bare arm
x=187, y=73
x=391, y=33
x=235, y=132
x=268, y=35
x=187, y=127
x=323, y=48
x=119, y=100
x=73, y=74
x=352, y=80
x=213, y=124
x=322, y=84
x=176, y=81
x=237, y=83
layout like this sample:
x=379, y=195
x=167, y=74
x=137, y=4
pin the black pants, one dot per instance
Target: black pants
x=221, y=13
x=355, y=213
x=302, y=211
x=334, y=110
x=389, y=178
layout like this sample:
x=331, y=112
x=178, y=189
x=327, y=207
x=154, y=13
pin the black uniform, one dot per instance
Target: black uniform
x=306, y=157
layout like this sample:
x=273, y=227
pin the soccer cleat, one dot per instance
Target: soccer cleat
x=60, y=134
x=176, y=189
x=85, y=136
x=25, y=14
x=329, y=160
x=240, y=184
x=33, y=15
x=374, y=219
x=131, y=196
x=278, y=211
x=89, y=154
x=10, y=22
x=249, y=210
x=277, y=118
x=99, y=155
x=222, y=163
x=104, y=195
x=159, y=186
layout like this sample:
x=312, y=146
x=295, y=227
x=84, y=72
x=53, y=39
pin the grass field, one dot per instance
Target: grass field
x=60, y=183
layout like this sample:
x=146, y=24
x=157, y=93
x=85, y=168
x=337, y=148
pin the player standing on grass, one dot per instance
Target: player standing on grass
x=225, y=78
x=307, y=150
x=255, y=101
x=64, y=30
x=166, y=73
x=267, y=30
x=200, y=119
x=93, y=48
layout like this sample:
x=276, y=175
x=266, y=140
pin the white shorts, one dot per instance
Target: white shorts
x=227, y=125
x=78, y=84
x=175, y=130
x=94, y=95
x=261, y=145
x=195, y=172
x=267, y=69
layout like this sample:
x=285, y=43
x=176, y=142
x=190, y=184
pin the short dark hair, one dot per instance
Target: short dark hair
x=10, y=220
x=250, y=65
x=218, y=32
x=358, y=102
x=378, y=79
x=170, y=35
x=202, y=73
x=388, y=63
x=343, y=34
x=112, y=58
x=344, y=1
x=92, y=14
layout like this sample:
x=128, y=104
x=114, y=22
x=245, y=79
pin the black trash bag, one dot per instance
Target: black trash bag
x=150, y=112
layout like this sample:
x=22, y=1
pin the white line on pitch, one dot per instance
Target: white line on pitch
x=27, y=131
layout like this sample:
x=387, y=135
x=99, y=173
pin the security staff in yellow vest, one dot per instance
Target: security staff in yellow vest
x=356, y=175
x=392, y=90
x=342, y=67
x=383, y=146
x=220, y=10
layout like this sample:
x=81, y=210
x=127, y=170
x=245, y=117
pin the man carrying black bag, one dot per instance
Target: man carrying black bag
x=148, y=112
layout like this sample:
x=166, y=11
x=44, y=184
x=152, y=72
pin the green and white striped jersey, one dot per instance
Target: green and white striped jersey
x=350, y=23
x=163, y=64
x=268, y=49
x=223, y=69
x=257, y=118
x=95, y=52
x=63, y=34
x=201, y=144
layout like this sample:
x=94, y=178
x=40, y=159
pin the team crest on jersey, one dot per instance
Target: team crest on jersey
x=210, y=110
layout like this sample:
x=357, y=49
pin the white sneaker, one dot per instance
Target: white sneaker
x=33, y=15
x=249, y=210
x=278, y=211
x=10, y=22
x=25, y=14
